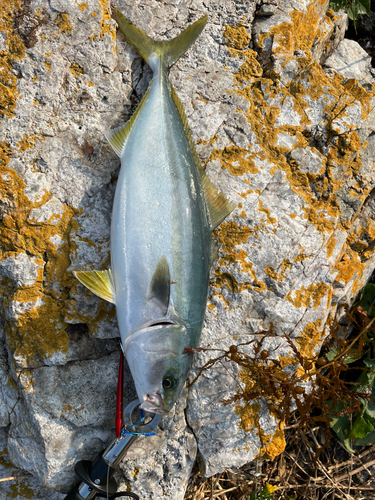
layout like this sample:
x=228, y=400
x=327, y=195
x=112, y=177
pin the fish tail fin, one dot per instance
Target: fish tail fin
x=159, y=53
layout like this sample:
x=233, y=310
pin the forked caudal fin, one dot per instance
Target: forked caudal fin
x=155, y=52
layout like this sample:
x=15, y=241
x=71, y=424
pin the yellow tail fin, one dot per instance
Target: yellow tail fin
x=155, y=52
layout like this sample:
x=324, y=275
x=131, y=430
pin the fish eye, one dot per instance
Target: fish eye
x=169, y=382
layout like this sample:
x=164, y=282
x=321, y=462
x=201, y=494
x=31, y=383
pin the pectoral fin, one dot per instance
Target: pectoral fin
x=160, y=285
x=98, y=282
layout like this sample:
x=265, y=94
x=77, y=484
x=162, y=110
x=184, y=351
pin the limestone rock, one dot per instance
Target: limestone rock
x=291, y=143
x=352, y=61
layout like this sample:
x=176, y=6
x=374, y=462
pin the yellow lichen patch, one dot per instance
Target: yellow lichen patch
x=76, y=69
x=21, y=489
x=48, y=65
x=237, y=41
x=266, y=211
x=278, y=277
x=40, y=330
x=310, y=296
x=287, y=361
x=301, y=257
x=229, y=235
x=13, y=49
x=236, y=160
x=27, y=142
x=304, y=30
x=349, y=265
x=82, y=6
x=330, y=246
x=276, y=445
x=310, y=339
x=106, y=16
x=236, y=36
x=63, y=23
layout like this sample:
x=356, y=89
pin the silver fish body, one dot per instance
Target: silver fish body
x=164, y=211
x=159, y=210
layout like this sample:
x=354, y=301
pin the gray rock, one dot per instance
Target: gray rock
x=351, y=61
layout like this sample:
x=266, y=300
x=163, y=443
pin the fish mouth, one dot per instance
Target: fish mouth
x=154, y=403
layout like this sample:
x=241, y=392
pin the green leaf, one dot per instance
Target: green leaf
x=353, y=11
x=361, y=428
x=347, y=444
x=367, y=300
x=340, y=424
x=367, y=440
x=370, y=363
x=370, y=410
x=348, y=358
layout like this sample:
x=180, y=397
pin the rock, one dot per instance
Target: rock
x=290, y=142
x=352, y=61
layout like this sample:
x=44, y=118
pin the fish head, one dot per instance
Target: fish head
x=156, y=358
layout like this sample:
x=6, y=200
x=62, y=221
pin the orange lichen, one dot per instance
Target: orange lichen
x=63, y=23
x=278, y=277
x=76, y=69
x=82, y=6
x=310, y=296
x=236, y=160
x=106, y=27
x=27, y=142
x=310, y=338
x=14, y=49
x=275, y=446
x=267, y=211
x=330, y=246
x=41, y=328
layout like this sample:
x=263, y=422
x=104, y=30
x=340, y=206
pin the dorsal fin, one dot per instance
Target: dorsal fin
x=160, y=285
x=117, y=138
x=217, y=203
x=99, y=282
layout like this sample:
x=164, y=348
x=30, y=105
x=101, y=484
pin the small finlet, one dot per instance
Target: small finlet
x=98, y=282
x=160, y=285
x=214, y=251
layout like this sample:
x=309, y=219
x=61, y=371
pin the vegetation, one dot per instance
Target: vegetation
x=352, y=7
x=333, y=391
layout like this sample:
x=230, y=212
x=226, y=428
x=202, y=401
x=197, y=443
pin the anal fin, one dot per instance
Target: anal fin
x=98, y=282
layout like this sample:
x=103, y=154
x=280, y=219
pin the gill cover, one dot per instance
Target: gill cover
x=158, y=365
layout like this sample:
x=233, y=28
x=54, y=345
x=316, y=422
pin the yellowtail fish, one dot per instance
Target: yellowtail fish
x=164, y=211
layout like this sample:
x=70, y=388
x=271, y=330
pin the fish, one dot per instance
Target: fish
x=164, y=211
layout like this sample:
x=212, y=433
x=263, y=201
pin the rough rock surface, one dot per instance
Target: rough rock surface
x=283, y=126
